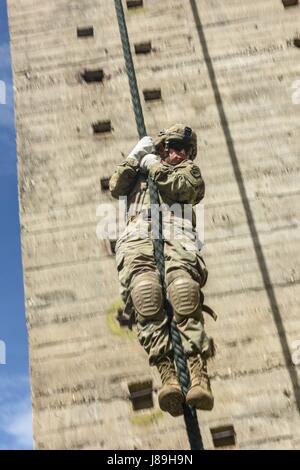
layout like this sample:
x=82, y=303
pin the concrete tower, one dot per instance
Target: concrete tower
x=231, y=71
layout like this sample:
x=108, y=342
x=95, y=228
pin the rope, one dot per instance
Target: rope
x=190, y=415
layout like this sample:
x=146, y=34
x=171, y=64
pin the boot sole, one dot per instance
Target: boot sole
x=172, y=403
x=204, y=403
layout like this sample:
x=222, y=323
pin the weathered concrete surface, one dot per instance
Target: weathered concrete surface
x=232, y=81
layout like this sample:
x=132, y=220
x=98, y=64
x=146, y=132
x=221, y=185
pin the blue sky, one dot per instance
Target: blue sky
x=15, y=405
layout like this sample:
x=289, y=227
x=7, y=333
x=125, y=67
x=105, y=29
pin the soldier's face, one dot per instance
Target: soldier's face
x=176, y=156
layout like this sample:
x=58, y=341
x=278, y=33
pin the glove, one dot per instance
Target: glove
x=142, y=148
x=149, y=160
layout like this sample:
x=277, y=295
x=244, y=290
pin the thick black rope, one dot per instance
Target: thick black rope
x=190, y=415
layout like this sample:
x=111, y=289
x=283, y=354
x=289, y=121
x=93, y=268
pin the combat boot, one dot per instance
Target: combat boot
x=170, y=396
x=199, y=395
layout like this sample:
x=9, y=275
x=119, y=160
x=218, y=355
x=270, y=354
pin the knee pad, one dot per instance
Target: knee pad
x=184, y=294
x=146, y=295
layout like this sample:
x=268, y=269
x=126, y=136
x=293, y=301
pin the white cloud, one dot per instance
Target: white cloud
x=19, y=424
x=11, y=384
x=15, y=414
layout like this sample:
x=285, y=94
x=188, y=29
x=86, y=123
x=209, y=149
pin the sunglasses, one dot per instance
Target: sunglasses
x=179, y=146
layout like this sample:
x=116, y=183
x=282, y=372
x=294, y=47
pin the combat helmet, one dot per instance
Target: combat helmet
x=180, y=133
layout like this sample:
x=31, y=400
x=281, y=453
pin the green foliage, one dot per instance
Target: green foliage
x=113, y=323
x=146, y=418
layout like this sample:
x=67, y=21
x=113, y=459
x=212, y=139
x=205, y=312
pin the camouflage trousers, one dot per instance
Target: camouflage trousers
x=135, y=255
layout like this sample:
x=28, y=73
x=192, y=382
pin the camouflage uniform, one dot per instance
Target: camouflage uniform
x=185, y=269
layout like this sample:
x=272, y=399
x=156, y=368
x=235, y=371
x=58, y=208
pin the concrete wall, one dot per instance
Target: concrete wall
x=227, y=69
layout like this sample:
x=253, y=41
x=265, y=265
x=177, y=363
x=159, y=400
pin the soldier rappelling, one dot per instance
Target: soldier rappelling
x=169, y=161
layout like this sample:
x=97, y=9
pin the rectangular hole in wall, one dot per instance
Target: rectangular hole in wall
x=90, y=76
x=296, y=42
x=151, y=95
x=101, y=127
x=290, y=3
x=134, y=3
x=85, y=32
x=104, y=182
x=223, y=436
x=143, y=47
x=123, y=319
x=141, y=394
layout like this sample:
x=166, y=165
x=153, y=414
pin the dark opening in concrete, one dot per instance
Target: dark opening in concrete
x=143, y=47
x=134, y=3
x=124, y=320
x=290, y=3
x=104, y=182
x=90, y=76
x=141, y=394
x=101, y=127
x=151, y=95
x=296, y=42
x=223, y=436
x=85, y=32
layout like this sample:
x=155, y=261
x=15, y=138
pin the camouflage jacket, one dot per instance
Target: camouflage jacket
x=180, y=183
